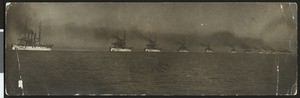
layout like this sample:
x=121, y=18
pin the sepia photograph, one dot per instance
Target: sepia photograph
x=150, y=48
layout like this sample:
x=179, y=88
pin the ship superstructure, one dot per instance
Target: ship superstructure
x=120, y=44
x=31, y=41
x=152, y=46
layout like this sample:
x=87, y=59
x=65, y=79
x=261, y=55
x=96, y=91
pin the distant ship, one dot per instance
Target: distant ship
x=233, y=50
x=273, y=51
x=268, y=52
x=247, y=51
x=31, y=42
x=152, y=46
x=259, y=51
x=283, y=51
x=183, y=48
x=120, y=45
x=208, y=50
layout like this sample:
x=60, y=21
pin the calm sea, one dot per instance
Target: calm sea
x=95, y=73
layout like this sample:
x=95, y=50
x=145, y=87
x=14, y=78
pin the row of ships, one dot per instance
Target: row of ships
x=33, y=42
x=120, y=46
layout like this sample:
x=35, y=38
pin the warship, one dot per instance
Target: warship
x=183, y=48
x=120, y=45
x=30, y=41
x=283, y=51
x=247, y=50
x=259, y=51
x=273, y=51
x=152, y=46
x=208, y=50
x=233, y=50
x=268, y=52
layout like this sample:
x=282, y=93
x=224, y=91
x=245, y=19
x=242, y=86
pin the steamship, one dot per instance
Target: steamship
x=259, y=51
x=233, y=50
x=120, y=45
x=208, y=50
x=183, y=48
x=152, y=46
x=29, y=41
x=247, y=50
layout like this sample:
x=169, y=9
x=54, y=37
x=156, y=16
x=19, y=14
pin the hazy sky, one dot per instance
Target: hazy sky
x=92, y=25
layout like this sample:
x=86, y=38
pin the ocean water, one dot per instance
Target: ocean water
x=171, y=73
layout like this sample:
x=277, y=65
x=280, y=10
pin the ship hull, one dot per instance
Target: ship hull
x=183, y=51
x=233, y=52
x=152, y=50
x=30, y=48
x=120, y=50
x=208, y=51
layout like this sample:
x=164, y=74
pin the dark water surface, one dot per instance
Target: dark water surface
x=92, y=72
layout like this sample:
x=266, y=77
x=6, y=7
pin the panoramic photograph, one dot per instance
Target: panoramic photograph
x=150, y=48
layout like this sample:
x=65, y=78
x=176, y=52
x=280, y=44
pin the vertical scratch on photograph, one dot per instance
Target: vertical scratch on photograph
x=293, y=17
x=20, y=82
x=281, y=7
x=277, y=66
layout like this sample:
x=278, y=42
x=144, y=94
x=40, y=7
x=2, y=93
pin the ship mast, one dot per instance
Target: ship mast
x=117, y=34
x=40, y=32
x=25, y=30
x=150, y=36
x=154, y=37
x=25, y=27
x=183, y=42
x=124, y=38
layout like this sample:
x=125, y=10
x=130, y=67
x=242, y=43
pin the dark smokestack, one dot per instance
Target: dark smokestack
x=34, y=38
x=28, y=35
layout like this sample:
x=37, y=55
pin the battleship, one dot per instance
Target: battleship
x=283, y=51
x=120, y=45
x=268, y=52
x=273, y=51
x=208, y=49
x=152, y=46
x=31, y=42
x=183, y=48
x=247, y=51
x=259, y=51
x=233, y=50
